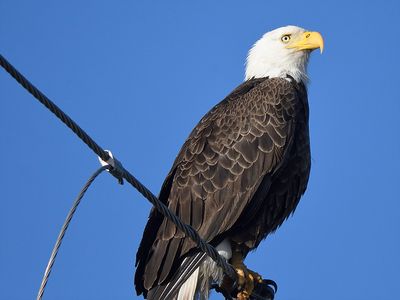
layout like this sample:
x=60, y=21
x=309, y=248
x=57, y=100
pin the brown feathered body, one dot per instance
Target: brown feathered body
x=239, y=175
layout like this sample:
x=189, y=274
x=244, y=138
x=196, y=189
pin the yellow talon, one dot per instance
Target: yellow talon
x=245, y=278
x=256, y=277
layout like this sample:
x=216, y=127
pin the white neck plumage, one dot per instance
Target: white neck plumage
x=263, y=62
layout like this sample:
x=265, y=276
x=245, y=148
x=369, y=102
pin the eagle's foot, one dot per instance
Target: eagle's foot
x=245, y=277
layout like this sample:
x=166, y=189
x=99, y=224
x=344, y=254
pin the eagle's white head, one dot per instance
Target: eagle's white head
x=283, y=51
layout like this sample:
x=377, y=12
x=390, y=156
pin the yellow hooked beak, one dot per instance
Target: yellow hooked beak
x=309, y=40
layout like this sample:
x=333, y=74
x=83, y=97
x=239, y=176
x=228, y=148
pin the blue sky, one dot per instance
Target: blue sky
x=138, y=75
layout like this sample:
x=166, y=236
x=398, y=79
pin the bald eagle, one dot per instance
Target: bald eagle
x=239, y=175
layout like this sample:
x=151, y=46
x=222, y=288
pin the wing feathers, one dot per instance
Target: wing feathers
x=229, y=154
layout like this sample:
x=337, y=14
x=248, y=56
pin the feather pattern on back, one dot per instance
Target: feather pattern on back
x=229, y=172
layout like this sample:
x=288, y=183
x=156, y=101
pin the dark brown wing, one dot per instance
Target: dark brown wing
x=217, y=172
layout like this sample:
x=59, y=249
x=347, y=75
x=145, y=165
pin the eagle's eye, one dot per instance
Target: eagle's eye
x=285, y=38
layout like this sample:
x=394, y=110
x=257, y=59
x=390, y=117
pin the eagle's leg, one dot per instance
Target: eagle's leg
x=246, y=277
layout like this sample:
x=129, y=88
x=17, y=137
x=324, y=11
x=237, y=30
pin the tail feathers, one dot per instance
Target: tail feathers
x=193, y=278
x=188, y=289
x=171, y=290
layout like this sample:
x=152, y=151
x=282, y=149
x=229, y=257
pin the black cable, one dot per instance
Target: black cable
x=119, y=170
x=64, y=229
